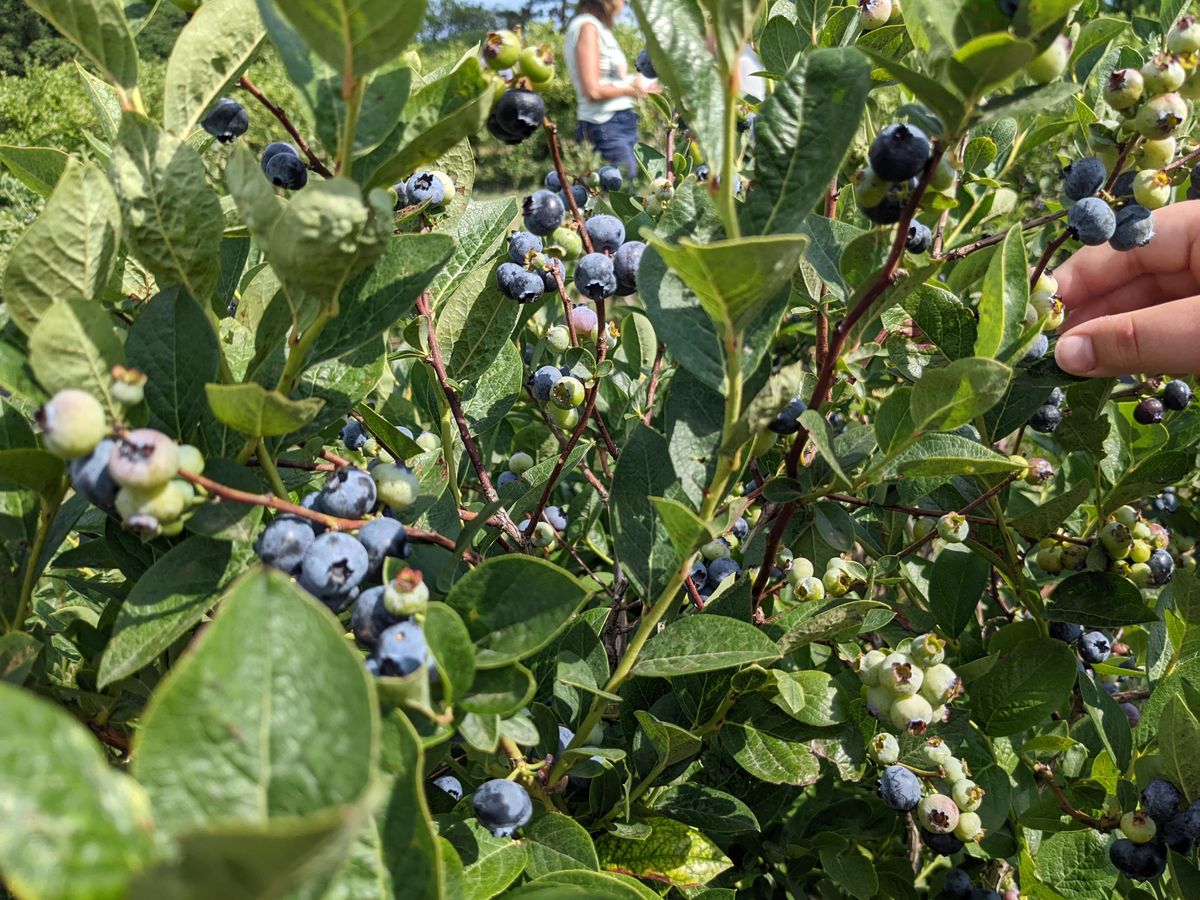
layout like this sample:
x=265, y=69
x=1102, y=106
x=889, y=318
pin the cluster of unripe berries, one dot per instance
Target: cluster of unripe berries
x=521, y=111
x=943, y=798
x=716, y=562
x=134, y=475
x=897, y=159
x=1162, y=822
x=911, y=686
x=838, y=579
x=1128, y=546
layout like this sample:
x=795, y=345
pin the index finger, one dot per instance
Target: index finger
x=1102, y=281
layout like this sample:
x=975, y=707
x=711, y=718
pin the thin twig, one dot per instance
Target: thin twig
x=1046, y=775
x=983, y=243
x=566, y=302
x=278, y=112
x=655, y=372
x=552, y=139
x=1047, y=255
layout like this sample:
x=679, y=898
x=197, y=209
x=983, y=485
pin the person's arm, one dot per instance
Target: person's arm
x=1136, y=311
x=587, y=55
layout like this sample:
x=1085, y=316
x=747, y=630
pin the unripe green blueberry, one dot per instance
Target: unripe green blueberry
x=941, y=684
x=927, y=650
x=1074, y=556
x=1116, y=539
x=1152, y=188
x=568, y=393
x=763, y=441
x=835, y=582
x=880, y=701
x=398, y=488
x=185, y=490
x=1140, y=552
x=520, y=463
x=1120, y=567
x=953, y=528
x=936, y=752
x=955, y=770
x=558, y=338
x=1126, y=515
x=1184, y=36
x=937, y=813
x=967, y=795
x=1138, y=826
x=922, y=526
x=1123, y=89
x=163, y=503
x=427, y=440
x=1097, y=557
x=1051, y=63
x=800, y=569
x=1162, y=74
x=1048, y=308
x=884, y=748
x=900, y=676
x=406, y=594
x=537, y=64
x=715, y=549
x=1156, y=154
x=128, y=386
x=171, y=529
x=1049, y=560
x=874, y=14
x=969, y=828
x=784, y=555
x=144, y=459
x=912, y=714
x=869, y=189
x=1140, y=531
x=567, y=240
x=191, y=459
x=944, y=175
x=370, y=447
x=564, y=418
x=501, y=50
x=72, y=423
x=543, y=535
x=1141, y=574
x=1161, y=116
x=1046, y=283
x=868, y=667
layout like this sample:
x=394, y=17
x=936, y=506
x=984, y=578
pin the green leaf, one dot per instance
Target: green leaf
x=38, y=168
x=946, y=455
x=478, y=235
x=706, y=807
x=1178, y=734
x=1110, y=720
x=450, y=643
x=169, y=599
x=1023, y=687
x=473, y=325
x=1098, y=599
x=74, y=826
x=733, y=279
x=37, y=470
x=389, y=436
x=99, y=29
x=229, y=520
x=949, y=108
x=212, y=50
x=674, y=853
x=490, y=864
x=172, y=342
x=69, y=251
x=260, y=207
x=779, y=44
x=436, y=119
x=956, y=585
x=1075, y=864
x=946, y=398
x=500, y=692
x=988, y=60
x=684, y=328
x=944, y=319
x=172, y=216
x=1046, y=517
x=763, y=744
x=684, y=527
x=640, y=537
x=252, y=410
x=837, y=619
x=488, y=400
x=384, y=99
x=515, y=605
x=557, y=843
x=410, y=847
x=803, y=131
x=281, y=735
x=1004, y=299
x=699, y=643
x=677, y=40
x=75, y=346
x=354, y=37
x=850, y=867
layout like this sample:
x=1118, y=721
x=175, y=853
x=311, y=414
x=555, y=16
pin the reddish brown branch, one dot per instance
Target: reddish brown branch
x=278, y=112
x=655, y=372
x=982, y=243
x=566, y=302
x=1046, y=776
x=1047, y=255
x=552, y=139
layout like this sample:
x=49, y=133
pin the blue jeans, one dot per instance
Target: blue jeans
x=615, y=139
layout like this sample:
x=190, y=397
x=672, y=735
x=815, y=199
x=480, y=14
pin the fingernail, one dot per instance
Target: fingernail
x=1074, y=353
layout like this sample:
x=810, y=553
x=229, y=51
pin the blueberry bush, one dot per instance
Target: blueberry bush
x=720, y=529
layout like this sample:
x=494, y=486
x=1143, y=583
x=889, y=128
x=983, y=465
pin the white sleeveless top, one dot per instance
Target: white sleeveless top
x=613, y=70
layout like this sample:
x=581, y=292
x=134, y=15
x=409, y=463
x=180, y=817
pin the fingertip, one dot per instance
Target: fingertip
x=1075, y=354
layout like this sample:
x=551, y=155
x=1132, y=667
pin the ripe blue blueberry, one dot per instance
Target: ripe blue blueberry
x=556, y=517
x=1174, y=834
x=644, y=65
x=787, y=420
x=552, y=265
x=89, y=476
x=607, y=233
x=284, y=168
x=552, y=182
x=699, y=574
x=518, y=114
x=941, y=844
x=1177, y=395
x=1134, y=228
x=1084, y=177
x=506, y=277
x=1041, y=344
x=1095, y=647
x=740, y=528
x=1161, y=799
x=1066, y=632
x=1149, y=412
x=521, y=244
x=610, y=176
x=518, y=283
x=1141, y=862
x=1057, y=398
x=284, y=543
x=226, y=121
x=1123, y=186
x=1045, y=419
x=402, y=650
x=1162, y=567
x=502, y=806
x=450, y=785
x=920, y=238
x=957, y=885
x=720, y=569
x=353, y=435
x=899, y=152
x=382, y=538
x=278, y=147
x=349, y=493
x=1092, y=221
x=401, y=195
x=626, y=262
x=580, y=195
x=370, y=617
x=887, y=211
x=507, y=477
x=425, y=187
x=543, y=212
x=594, y=276
x=543, y=381
x=899, y=789
x=333, y=567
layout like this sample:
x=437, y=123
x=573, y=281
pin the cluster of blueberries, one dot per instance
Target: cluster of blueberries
x=1091, y=219
x=959, y=886
x=1163, y=822
x=716, y=563
x=1176, y=397
x=911, y=686
x=1129, y=546
x=521, y=111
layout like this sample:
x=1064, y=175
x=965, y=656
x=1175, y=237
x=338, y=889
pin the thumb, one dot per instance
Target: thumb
x=1164, y=338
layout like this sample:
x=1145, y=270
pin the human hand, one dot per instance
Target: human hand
x=643, y=86
x=1137, y=311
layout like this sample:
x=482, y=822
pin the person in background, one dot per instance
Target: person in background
x=605, y=94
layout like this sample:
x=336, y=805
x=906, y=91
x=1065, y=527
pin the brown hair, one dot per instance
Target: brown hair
x=604, y=10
